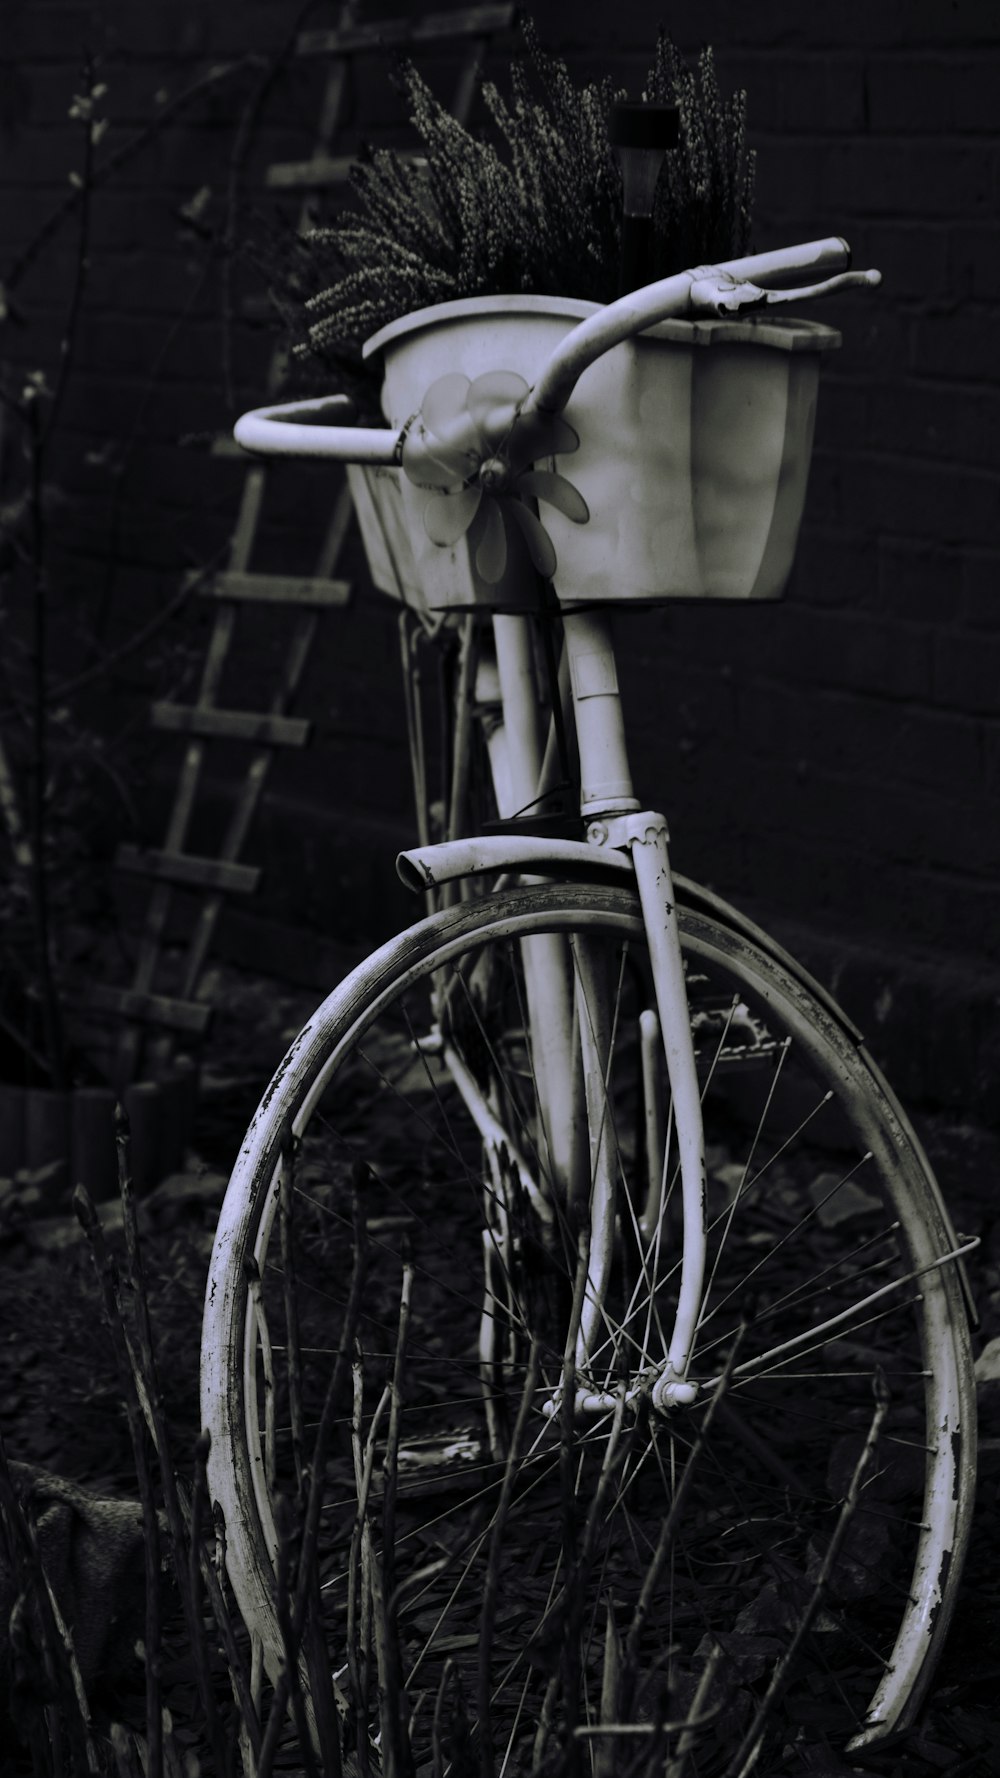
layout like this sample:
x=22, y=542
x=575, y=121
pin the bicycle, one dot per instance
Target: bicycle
x=656, y=1319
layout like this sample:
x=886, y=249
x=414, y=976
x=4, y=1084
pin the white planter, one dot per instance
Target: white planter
x=382, y=520
x=695, y=441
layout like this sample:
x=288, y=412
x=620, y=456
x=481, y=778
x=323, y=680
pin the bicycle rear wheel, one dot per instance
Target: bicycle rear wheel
x=771, y=1568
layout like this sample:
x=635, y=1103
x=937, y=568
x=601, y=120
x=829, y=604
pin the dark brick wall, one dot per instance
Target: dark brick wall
x=833, y=762
x=835, y=759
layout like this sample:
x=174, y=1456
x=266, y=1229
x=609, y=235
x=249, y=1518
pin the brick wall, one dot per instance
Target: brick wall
x=132, y=479
x=832, y=762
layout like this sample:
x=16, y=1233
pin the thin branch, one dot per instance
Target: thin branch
x=237, y=165
x=120, y=156
x=84, y=184
x=145, y=1353
x=68, y=1697
x=310, y=1531
x=38, y=764
x=748, y=1752
x=491, y=1584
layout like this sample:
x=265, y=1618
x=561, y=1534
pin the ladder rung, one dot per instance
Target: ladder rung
x=323, y=171
x=259, y=307
x=317, y=174
x=379, y=33
x=148, y=1009
x=225, y=446
x=273, y=589
x=188, y=870
x=230, y=725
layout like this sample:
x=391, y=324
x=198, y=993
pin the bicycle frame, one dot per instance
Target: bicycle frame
x=567, y=1019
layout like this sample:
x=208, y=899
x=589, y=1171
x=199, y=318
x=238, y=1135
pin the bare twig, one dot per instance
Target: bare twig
x=237, y=164
x=395, y=1738
x=313, y=1640
x=245, y=1691
x=664, y=1543
x=748, y=1752
x=359, y=1627
x=568, y=1506
x=451, y=1680
x=84, y=184
x=69, y=1699
x=120, y=156
x=285, y=1525
x=703, y=1691
x=132, y=1340
x=124, y=465
x=491, y=1582
x=144, y=1353
x=38, y=771
x=142, y=1408
x=310, y=1530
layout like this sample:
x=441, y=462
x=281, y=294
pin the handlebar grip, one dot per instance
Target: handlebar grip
x=300, y=429
x=788, y=265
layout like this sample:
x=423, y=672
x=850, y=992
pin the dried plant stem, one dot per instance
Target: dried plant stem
x=81, y=268
x=132, y=1340
x=313, y=1642
x=390, y=1466
x=359, y=1625
x=604, y=1760
x=38, y=770
x=668, y=1528
x=569, y=1509
x=491, y=1582
x=119, y=157
x=451, y=1679
x=703, y=1691
x=242, y=143
x=68, y=1698
x=145, y=1354
x=568, y=1517
x=22, y=857
x=151, y=1648
x=395, y=1738
x=246, y=1691
x=314, y=1502
x=121, y=472
x=748, y=1752
x=291, y=1643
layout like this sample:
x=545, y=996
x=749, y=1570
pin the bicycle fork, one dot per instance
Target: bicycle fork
x=571, y=1020
x=614, y=820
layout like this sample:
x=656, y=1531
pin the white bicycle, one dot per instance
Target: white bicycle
x=652, y=1433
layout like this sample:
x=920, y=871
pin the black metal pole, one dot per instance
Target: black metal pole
x=641, y=133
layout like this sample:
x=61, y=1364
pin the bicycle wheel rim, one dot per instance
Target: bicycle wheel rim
x=358, y=1007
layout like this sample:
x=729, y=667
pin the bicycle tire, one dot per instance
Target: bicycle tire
x=817, y=1191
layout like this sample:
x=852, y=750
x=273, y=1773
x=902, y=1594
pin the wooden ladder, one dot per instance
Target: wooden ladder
x=150, y=1018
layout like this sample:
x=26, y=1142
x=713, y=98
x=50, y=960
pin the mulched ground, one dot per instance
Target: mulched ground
x=61, y=1405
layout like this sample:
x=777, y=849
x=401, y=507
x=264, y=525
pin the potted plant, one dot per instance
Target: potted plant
x=463, y=269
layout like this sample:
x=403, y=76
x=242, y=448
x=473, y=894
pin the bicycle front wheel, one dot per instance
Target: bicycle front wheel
x=559, y=1571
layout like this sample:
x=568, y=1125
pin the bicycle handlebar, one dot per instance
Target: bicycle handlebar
x=302, y=429
x=714, y=290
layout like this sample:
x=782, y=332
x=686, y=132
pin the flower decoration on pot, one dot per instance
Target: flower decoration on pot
x=474, y=449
